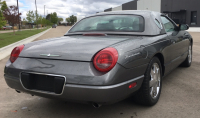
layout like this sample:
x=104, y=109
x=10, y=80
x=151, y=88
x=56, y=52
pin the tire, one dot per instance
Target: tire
x=146, y=94
x=188, y=60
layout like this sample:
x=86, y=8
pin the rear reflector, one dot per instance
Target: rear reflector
x=132, y=85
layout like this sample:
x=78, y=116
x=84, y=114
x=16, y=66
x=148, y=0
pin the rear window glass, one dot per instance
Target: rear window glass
x=116, y=23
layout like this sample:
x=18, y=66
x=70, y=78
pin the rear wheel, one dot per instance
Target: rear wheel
x=150, y=90
x=188, y=60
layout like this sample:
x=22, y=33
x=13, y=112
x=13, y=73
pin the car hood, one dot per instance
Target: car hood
x=79, y=48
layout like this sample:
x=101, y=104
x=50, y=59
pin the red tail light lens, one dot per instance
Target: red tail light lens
x=15, y=53
x=106, y=59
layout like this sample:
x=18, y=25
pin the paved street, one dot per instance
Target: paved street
x=179, y=98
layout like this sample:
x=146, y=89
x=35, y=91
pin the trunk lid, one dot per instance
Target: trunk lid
x=78, y=48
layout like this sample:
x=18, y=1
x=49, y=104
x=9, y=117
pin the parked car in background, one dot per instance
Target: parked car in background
x=54, y=26
x=9, y=27
x=103, y=59
x=3, y=28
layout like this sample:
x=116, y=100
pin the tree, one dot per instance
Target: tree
x=40, y=19
x=2, y=18
x=24, y=21
x=72, y=19
x=30, y=17
x=11, y=14
x=54, y=18
x=68, y=20
x=44, y=21
x=48, y=17
x=60, y=19
x=3, y=5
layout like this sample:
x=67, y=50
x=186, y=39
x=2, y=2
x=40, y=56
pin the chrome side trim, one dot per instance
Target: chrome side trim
x=105, y=87
x=39, y=91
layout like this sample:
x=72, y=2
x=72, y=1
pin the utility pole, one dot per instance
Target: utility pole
x=36, y=14
x=44, y=10
x=18, y=14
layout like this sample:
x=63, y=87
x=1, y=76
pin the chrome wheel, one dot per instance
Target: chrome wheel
x=154, y=82
x=190, y=54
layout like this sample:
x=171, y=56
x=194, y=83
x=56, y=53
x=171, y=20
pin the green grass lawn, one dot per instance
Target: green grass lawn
x=9, y=38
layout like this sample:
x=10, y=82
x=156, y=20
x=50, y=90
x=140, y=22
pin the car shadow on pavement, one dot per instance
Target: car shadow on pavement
x=53, y=108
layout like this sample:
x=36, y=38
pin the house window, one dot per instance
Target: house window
x=193, y=17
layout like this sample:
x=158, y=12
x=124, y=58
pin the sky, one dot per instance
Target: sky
x=66, y=8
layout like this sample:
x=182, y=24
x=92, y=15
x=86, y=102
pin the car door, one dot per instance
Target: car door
x=176, y=41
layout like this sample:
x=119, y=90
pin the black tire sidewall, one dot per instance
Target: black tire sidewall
x=150, y=100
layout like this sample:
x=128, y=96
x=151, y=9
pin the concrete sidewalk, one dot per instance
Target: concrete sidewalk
x=8, y=31
x=5, y=51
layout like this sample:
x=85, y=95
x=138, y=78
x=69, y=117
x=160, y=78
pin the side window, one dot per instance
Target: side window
x=169, y=26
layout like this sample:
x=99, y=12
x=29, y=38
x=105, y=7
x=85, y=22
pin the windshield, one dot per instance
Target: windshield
x=116, y=23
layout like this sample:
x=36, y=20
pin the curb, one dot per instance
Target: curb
x=5, y=51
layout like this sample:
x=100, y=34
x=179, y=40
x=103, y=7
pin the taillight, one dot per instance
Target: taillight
x=15, y=53
x=106, y=59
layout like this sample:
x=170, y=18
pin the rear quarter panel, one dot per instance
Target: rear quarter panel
x=139, y=51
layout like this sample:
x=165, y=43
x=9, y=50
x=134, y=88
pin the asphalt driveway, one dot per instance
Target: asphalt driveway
x=180, y=97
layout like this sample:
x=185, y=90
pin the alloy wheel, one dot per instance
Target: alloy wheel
x=190, y=54
x=154, y=82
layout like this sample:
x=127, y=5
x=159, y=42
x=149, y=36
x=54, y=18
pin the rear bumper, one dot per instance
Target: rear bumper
x=84, y=93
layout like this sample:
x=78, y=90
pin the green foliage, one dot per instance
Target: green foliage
x=39, y=19
x=2, y=20
x=30, y=17
x=44, y=21
x=3, y=5
x=49, y=23
x=60, y=19
x=72, y=19
x=48, y=17
x=24, y=21
x=54, y=18
x=68, y=20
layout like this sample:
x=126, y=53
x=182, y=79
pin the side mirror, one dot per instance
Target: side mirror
x=183, y=27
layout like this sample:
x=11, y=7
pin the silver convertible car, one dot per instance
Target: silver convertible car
x=103, y=59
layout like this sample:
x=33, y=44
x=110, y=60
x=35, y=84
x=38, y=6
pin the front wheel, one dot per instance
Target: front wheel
x=150, y=90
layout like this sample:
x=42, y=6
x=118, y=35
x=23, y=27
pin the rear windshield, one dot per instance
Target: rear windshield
x=116, y=23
